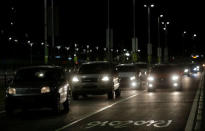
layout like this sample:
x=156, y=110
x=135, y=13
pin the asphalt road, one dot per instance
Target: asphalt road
x=164, y=110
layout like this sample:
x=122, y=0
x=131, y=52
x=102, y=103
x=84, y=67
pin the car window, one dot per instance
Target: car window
x=95, y=68
x=38, y=75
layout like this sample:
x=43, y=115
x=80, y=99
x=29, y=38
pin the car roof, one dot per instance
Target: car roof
x=95, y=62
x=129, y=64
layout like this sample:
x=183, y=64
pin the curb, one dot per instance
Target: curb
x=194, y=122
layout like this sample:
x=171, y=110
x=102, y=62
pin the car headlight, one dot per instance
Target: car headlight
x=150, y=78
x=175, y=77
x=105, y=78
x=11, y=91
x=132, y=78
x=75, y=79
x=186, y=70
x=45, y=89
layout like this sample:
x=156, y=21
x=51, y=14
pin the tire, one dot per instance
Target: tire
x=111, y=95
x=57, y=107
x=118, y=92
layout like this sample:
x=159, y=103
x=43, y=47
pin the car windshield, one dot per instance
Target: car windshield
x=95, y=68
x=165, y=69
x=37, y=74
x=126, y=69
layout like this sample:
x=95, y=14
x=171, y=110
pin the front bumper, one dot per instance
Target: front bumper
x=92, y=88
x=31, y=101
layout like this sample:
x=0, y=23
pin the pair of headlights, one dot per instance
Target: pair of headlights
x=45, y=89
x=174, y=78
x=104, y=78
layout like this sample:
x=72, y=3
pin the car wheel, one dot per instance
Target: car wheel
x=111, y=94
x=75, y=96
x=118, y=92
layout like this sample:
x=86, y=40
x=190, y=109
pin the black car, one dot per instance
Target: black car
x=163, y=76
x=38, y=86
x=95, y=78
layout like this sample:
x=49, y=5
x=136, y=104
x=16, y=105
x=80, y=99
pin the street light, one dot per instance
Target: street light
x=149, y=45
x=165, y=43
x=31, y=57
x=183, y=47
x=159, y=49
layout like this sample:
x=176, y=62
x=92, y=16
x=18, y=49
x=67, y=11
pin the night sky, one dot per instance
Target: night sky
x=84, y=22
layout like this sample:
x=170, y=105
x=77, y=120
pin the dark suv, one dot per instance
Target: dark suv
x=96, y=78
x=38, y=86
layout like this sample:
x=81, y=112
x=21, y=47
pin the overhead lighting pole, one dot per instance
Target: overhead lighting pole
x=159, y=49
x=45, y=34
x=149, y=45
x=166, y=55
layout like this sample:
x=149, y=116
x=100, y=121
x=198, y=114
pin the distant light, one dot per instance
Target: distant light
x=163, y=23
x=185, y=32
x=161, y=16
x=168, y=23
x=105, y=49
x=69, y=58
x=127, y=54
x=58, y=57
x=87, y=46
x=139, y=50
x=194, y=35
x=67, y=48
x=42, y=43
x=164, y=28
x=58, y=47
x=16, y=40
x=145, y=5
x=12, y=23
x=10, y=38
x=97, y=47
x=152, y=5
x=28, y=41
x=31, y=44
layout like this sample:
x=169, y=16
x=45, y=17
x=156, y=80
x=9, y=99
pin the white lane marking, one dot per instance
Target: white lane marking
x=1, y=112
x=190, y=121
x=98, y=111
x=127, y=124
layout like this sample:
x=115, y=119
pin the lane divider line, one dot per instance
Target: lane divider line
x=94, y=113
x=193, y=112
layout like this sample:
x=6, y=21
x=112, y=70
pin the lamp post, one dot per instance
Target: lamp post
x=166, y=41
x=45, y=33
x=183, y=46
x=31, y=56
x=149, y=45
x=159, y=49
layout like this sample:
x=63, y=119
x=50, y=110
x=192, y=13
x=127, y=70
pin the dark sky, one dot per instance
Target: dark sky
x=84, y=21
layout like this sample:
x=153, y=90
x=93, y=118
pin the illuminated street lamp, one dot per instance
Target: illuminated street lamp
x=183, y=47
x=149, y=45
x=31, y=56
